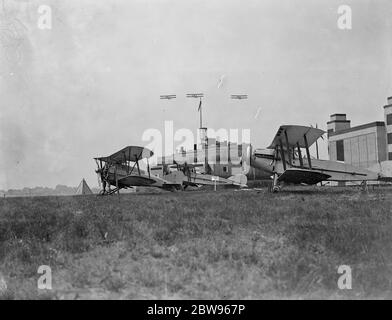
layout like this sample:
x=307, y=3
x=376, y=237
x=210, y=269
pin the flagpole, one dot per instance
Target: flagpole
x=200, y=96
x=201, y=116
x=317, y=149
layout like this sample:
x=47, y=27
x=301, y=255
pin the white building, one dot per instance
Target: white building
x=365, y=145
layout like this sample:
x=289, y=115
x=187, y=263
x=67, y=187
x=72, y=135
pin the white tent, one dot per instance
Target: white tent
x=83, y=188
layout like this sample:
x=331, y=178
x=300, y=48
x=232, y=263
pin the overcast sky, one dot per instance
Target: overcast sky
x=91, y=84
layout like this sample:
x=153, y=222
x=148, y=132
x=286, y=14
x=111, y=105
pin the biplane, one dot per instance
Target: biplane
x=196, y=179
x=288, y=160
x=122, y=170
x=239, y=96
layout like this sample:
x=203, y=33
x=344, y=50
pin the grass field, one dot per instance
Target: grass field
x=219, y=245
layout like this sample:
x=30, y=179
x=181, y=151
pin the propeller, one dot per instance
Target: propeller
x=99, y=177
x=246, y=160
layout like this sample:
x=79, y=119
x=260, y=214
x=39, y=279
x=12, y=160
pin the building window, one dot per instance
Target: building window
x=389, y=138
x=225, y=169
x=389, y=119
x=340, y=150
x=389, y=155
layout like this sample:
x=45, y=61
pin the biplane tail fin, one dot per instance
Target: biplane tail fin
x=239, y=180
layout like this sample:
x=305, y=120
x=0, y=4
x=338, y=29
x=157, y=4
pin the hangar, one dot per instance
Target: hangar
x=366, y=145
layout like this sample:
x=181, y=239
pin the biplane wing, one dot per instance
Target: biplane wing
x=299, y=176
x=145, y=181
x=294, y=136
x=135, y=180
x=238, y=180
x=130, y=153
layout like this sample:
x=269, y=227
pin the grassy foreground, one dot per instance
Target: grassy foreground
x=218, y=245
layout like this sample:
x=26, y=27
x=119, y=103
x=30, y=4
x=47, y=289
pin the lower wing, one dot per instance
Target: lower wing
x=134, y=180
x=298, y=176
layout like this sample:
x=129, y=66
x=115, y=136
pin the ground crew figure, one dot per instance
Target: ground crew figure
x=103, y=185
x=106, y=177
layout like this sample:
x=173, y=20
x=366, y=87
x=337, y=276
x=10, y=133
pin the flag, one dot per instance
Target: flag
x=198, y=109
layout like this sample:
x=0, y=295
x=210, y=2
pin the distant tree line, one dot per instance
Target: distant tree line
x=59, y=190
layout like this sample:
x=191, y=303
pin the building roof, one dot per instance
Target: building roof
x=333, y=121
x=338, y=114
x=357, y=128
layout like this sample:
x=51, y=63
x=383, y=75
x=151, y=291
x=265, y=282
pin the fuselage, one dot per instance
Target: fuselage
x=266, y=160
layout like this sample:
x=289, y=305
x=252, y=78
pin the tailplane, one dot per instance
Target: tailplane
x=239, y=179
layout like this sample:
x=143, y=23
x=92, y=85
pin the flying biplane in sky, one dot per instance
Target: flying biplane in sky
x=288, y=160
x=239, y=96
x=122, y=170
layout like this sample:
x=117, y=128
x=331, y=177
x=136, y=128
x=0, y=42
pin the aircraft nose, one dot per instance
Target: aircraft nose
x=246, y=160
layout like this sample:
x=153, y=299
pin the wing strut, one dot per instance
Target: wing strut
x=307, y=151
x=288, y=148
x=148, y=169
x=129, y=157
x=301, y=161
x=137, y=162
x=282, y=155
x=115, y=172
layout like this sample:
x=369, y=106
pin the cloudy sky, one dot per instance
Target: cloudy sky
x=90, y=85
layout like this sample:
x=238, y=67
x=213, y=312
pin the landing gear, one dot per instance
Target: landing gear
x=275, y=184
x=276, y=189
x=103, y=175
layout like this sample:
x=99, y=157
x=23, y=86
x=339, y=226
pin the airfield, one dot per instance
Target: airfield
x=228, y=244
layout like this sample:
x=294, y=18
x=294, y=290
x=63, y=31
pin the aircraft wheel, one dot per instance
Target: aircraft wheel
x=275, y=189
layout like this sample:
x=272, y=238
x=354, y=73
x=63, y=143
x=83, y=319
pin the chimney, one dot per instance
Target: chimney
x=338, y=122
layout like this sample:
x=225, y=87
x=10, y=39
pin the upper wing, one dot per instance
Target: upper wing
x=130, y=153
x=298, y=176
x=296, y=134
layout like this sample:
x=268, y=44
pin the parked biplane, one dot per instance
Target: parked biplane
x=195, y=179
x=285, y=162
x=122, y=170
